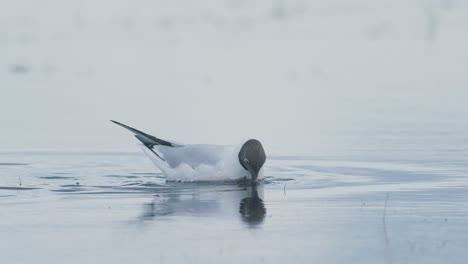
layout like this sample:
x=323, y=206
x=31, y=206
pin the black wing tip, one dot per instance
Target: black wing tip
x=147, y=139
x=118, y=123
x=125, y=126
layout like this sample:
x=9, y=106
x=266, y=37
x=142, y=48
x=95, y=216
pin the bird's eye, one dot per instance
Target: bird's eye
x=246, y=161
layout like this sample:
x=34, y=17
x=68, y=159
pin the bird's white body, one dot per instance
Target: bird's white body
x=202, y=162
x=198, y=162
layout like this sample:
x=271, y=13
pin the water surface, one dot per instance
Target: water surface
x=117, y=208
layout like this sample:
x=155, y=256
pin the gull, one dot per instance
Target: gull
x=203, y=162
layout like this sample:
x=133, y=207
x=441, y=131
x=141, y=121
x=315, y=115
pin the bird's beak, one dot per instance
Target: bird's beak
x=254, y=174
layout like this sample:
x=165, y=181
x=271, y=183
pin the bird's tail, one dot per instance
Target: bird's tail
x=147, y=140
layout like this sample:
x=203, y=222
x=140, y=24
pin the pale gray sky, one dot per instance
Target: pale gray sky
x=302, y=76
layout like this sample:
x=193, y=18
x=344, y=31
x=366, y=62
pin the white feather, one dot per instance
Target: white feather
x=199, y=162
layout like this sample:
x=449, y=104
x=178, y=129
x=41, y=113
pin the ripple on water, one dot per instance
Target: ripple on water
x=146, y=174
x=121, y=176
x=132, y=187
x=18, y=188
x=57, y=178
x=13, y=164
x=144, y=184
x=269, y=179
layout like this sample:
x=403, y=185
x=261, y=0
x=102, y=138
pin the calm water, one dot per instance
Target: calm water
x=117, y=208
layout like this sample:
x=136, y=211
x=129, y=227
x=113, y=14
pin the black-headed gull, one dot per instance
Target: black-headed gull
x=203, y=162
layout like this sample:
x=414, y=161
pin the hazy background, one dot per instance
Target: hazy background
x=305, y=77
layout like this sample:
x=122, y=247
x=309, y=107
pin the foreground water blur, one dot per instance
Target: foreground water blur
x=117, y=208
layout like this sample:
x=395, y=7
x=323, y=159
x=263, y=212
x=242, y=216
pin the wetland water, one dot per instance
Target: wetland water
x=117, y=208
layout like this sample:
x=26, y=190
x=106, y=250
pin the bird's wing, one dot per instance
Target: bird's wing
x=191, y=155
x=148, y=140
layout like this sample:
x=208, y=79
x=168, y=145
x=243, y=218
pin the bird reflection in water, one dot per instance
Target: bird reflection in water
x=252, y=209
x=208, y=200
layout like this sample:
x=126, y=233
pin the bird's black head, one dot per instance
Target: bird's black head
x=252, y=157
